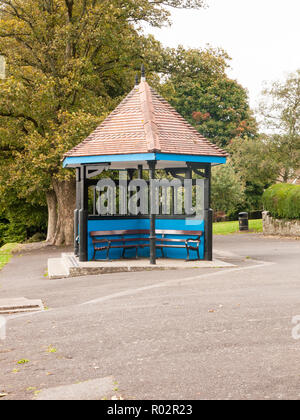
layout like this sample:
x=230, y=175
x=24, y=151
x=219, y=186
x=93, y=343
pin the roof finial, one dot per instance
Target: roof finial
x=143, y=73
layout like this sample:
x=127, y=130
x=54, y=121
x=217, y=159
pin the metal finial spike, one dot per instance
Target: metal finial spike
x=143, y=73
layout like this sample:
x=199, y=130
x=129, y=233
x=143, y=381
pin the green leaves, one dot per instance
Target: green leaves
x=280, y=114
x=227, y=189
x=252, y=158
x=66, y=71
x=197, y=86
x=69, y=63
x=283, y=201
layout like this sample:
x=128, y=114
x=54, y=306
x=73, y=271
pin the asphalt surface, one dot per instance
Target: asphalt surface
x=187, y=334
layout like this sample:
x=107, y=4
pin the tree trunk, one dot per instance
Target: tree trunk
x=66, y=199
x=52, y=215
x=286, y=175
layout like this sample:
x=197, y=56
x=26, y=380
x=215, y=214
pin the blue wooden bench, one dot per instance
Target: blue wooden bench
x=135, y=239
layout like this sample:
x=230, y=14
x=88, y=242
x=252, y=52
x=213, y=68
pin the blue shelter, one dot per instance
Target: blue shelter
x=141, y=138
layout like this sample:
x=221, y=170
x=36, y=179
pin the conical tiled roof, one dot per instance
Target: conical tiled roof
x=144, y=122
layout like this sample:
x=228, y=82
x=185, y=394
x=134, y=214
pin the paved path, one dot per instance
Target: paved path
x=195, y=334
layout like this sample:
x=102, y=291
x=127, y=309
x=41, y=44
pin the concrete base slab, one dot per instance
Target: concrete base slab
x=20, y=305
x=74, y=268
x=95, y=389
x=57, y=269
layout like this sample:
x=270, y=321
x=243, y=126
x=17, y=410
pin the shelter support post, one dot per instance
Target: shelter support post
x=140, y=171
x=189, y=192
x=152, y=166
x=76, y=214
x=208, y=212
x=83, y=215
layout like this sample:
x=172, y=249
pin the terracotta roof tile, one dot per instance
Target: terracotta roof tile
x=144, y=122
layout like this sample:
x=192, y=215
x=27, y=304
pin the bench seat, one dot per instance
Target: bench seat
x=139, y=239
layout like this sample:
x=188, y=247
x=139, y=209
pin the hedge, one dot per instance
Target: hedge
x=283, y=201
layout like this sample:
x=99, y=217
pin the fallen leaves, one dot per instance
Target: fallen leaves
x=51, y=349
x=23, y=361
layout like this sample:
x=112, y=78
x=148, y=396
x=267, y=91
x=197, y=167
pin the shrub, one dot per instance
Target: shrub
x=21, y=222
x=283, y=201
x=227, y=191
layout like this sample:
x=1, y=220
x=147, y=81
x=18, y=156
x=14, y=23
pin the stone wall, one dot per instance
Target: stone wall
x=282, y=227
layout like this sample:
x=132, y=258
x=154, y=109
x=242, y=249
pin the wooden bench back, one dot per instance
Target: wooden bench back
x=179, y=232
x=119, y=232
x=145, y=232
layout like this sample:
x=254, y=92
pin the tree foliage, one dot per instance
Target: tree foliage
x=252, y=159
x=283, y=201
x=280, y=118
x=197, y=86
x=68, y=65
x=227, y=189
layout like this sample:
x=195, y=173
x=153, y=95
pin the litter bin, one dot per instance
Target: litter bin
x=243, y=221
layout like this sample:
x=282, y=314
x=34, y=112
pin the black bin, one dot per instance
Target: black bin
x=243, y=221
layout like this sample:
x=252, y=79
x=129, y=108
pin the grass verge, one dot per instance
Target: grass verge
x=226, y=228
x=6, y=253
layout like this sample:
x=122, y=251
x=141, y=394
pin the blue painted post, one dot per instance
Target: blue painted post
x=76, y=214
x=189, y=193
x=83, y=217
x=152, y=165
x=208, y=250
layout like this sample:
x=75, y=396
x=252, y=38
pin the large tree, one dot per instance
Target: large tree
x=280, y=118
x=68, y=64
x=253, y=161
x=227, y=191
x=196, y=84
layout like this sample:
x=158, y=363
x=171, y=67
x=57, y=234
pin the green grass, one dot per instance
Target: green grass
x=6, y=254
x=226, y=228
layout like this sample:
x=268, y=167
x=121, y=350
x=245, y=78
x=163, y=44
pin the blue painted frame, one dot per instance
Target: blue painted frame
x=140, y=223
x=144, y=223
x=86, y=160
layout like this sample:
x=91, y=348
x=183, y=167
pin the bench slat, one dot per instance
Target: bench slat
x=124, y=242
x=119, y=232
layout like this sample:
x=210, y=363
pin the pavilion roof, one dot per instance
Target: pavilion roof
x=144, y=122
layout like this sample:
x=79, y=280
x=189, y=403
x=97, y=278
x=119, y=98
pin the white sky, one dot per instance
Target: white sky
x=261, y=36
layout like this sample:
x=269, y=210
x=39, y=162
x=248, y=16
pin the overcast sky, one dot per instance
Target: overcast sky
x=261, y=36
